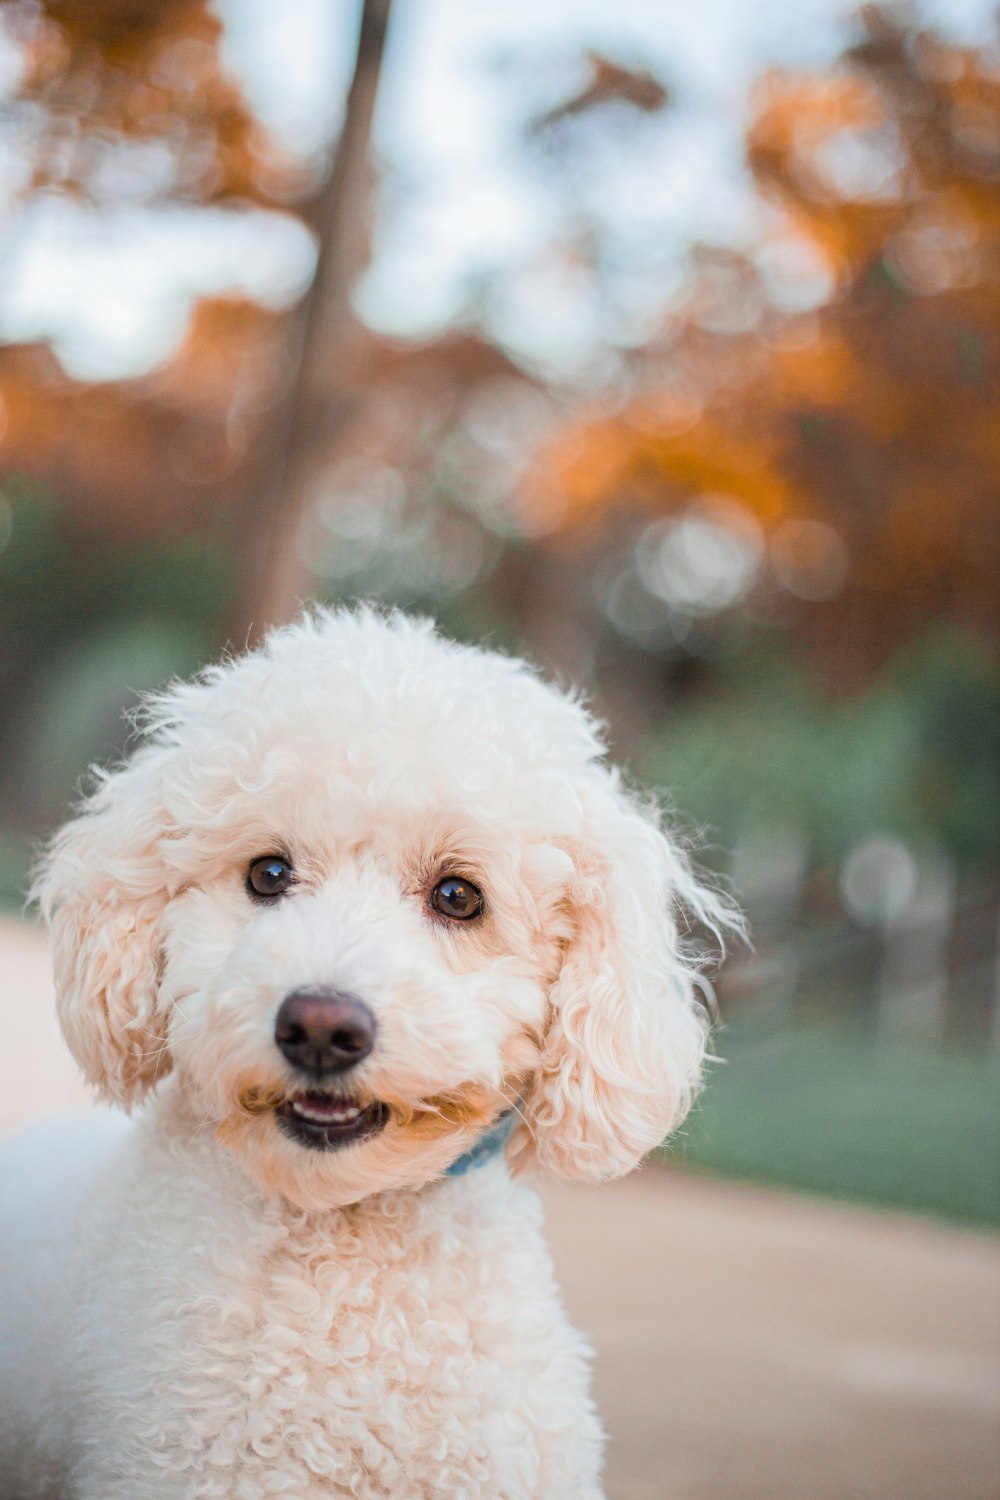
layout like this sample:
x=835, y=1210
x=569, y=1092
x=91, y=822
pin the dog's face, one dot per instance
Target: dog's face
x=362, y=892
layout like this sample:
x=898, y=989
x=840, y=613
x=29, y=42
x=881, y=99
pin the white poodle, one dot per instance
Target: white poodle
x=364, y=905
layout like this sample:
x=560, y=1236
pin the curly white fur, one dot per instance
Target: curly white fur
x=204, y=1307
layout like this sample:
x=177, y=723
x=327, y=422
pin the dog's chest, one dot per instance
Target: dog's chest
x=402, y=1349
x=381, y=1308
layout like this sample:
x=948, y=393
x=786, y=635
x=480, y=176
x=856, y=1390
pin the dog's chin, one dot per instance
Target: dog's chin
x=322, y=1122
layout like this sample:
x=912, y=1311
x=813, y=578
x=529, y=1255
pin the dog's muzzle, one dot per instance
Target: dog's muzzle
x=324, y=1033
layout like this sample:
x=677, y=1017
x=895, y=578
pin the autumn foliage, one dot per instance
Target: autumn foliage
x=873, y=414
x=115, y=76
x=843, y=431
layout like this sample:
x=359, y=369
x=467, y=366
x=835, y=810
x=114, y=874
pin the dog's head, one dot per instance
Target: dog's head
x=363, y=890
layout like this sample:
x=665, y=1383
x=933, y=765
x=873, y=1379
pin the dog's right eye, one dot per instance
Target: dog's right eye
x=269, y=877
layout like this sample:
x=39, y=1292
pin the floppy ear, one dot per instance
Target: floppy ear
x=622, y=1055
x=102, y=888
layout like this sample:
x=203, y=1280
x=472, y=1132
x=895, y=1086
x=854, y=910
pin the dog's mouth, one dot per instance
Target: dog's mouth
x=324, y=1121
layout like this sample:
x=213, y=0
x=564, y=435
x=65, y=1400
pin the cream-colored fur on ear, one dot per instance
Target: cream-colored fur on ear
x=622, y=1057
x=102, y=887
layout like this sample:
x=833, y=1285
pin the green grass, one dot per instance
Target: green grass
x=828, y=1109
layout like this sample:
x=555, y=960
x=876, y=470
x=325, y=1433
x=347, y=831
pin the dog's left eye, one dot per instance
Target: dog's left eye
x=457, y=898
x=269, y=877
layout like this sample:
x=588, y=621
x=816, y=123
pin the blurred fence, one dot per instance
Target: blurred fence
x=911, y=956
x=858, y=1045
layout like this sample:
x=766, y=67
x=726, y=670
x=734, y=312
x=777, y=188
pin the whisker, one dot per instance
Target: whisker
x=515, y=1105
x=174, y=1042
x=169, y=1043
x=525, y=1122
x=177, y=1007
x=156, y=1054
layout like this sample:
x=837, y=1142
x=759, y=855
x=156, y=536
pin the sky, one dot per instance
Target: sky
x=464, y=214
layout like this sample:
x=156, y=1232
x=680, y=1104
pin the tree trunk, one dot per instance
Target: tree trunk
x=273, y=577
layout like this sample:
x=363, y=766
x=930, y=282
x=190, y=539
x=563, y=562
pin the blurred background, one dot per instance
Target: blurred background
x=660, y=343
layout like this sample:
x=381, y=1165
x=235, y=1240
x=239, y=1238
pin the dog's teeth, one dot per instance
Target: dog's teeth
x=330, y=1116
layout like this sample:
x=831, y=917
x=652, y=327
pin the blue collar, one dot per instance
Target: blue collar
x=489, y=1144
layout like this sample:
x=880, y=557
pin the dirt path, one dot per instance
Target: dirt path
x=753, y=1346
x=750, y=1345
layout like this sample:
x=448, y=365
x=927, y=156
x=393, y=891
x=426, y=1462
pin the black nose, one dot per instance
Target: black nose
x=324, y=1031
